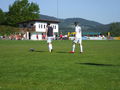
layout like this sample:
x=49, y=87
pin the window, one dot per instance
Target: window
x=41, y=26
x=31, y=24
x=44, y=26
x=24, y=25
x=55, y=27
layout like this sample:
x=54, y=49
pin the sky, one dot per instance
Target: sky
x=102, y=11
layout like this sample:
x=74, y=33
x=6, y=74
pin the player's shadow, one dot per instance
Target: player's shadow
x=96, y=64
x=62, y=52
x=39, y=51
x=36, y=51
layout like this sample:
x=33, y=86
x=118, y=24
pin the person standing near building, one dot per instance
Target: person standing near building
x=49, y=36
x=61, y=36
x=78, y=38
x=37, y=36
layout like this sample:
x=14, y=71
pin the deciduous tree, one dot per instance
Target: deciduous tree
x=22, y=10
x=115, y=29
x=2, y=17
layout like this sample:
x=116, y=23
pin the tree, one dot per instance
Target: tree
x=115, y=29
x=22, y=10
x=2, y=17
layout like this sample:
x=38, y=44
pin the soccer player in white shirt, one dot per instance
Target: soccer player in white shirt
x=78, y=38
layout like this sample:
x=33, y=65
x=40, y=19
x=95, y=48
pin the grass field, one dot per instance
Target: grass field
x=98, y=68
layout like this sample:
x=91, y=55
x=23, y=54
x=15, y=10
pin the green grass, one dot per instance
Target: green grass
x=98, y=68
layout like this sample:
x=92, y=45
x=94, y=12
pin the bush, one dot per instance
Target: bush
x=7, y=30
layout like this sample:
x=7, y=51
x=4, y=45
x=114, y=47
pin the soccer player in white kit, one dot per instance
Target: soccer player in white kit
x=78, y=38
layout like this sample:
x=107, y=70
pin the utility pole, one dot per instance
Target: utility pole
x=57, y=9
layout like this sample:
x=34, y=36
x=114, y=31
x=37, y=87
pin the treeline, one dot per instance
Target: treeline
x=115, y=29
x=19, y=11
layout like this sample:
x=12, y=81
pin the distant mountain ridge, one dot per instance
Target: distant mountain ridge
x=67, y=25
x=47, y=17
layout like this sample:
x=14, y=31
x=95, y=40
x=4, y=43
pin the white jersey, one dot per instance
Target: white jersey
x=78, y=32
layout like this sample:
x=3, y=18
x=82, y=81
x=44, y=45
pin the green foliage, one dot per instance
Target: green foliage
x=115, y=29
x=2, y=17
x=7, y=30
x=22, y=10
x=96, y=69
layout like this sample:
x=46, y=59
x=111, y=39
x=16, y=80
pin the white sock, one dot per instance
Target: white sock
x=73, y=47
x=51, y=46
x=81, y=48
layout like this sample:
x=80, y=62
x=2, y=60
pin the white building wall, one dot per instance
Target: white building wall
x=55, y=28
x=41, y=27
x=34, y=37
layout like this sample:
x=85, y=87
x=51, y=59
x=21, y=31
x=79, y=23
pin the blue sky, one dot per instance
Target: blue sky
x=103, y=11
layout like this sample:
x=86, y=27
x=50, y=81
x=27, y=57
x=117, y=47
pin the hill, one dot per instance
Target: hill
x=87, y=25
x=67, y=25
